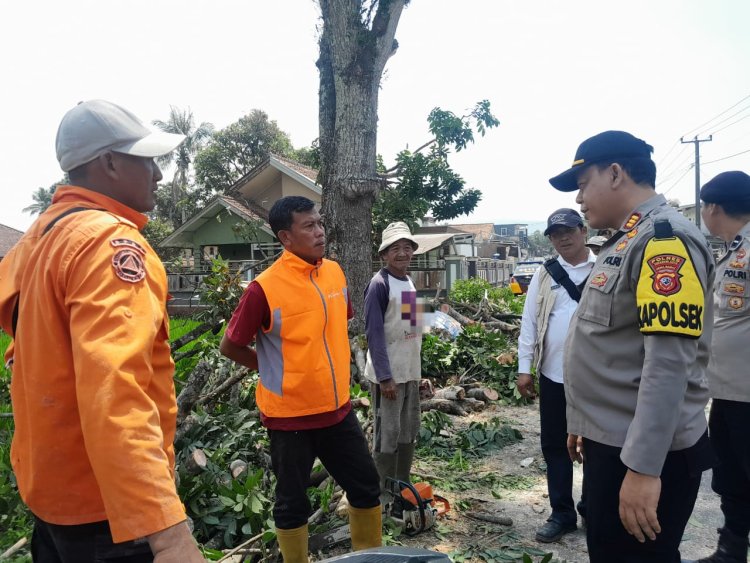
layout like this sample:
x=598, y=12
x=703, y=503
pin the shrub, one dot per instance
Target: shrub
x=472, y=291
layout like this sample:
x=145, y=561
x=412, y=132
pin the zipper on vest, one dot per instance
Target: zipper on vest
x=325, y=342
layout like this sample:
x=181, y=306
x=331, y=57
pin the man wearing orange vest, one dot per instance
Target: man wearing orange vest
x=296, y=311
x=84, y=297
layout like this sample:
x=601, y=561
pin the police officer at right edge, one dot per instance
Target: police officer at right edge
x=636, y=357
x=726, y=214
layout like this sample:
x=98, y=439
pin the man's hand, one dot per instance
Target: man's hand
x=639, y=497
x=175, y=545
x=525, y=385
x=388, y=389
x=575, y=448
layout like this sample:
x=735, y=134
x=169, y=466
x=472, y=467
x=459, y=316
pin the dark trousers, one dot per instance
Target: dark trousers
x=84, y=543
x=607, y=539
x=728, y=426
x=554, y=437
x=341, y=448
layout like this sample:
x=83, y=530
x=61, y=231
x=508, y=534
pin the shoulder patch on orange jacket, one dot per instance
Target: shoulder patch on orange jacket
x=128, y=260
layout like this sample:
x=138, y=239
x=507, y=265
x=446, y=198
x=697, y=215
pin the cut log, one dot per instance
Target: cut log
x=483, y=394
x=472, y=405
x=317, y=477
x=453, y=393
x=342, y=508
x=426, y=389
x=237, y=468
x=484, y=517
x=506, y=359
x=502, y=325
x=196, y=462
x=360, y=403
x=443, y=405
x=335, y=500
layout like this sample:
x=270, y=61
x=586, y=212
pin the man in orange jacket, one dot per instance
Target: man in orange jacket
x=297, y=313
x=83, y=296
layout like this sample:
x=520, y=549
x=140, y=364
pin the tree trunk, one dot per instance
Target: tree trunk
x=353, y=54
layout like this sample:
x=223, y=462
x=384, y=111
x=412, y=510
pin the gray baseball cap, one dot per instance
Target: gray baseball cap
x=96, y=126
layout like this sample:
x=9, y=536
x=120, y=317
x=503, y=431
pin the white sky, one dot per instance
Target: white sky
x=555, y=72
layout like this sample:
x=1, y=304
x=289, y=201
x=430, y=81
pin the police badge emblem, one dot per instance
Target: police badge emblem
x=666, y=276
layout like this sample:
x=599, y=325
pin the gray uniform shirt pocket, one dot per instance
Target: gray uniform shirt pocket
x=597, y=303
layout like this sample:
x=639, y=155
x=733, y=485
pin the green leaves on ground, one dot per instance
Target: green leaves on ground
x=437, y=439
x=475, y=355
x=506, y=546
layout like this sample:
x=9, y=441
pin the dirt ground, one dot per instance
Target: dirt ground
x=529, y=508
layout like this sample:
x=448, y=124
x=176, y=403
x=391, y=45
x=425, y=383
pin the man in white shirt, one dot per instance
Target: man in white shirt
x=551, y=301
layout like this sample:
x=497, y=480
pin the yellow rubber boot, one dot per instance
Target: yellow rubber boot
x=293, y=544
x=366, y=525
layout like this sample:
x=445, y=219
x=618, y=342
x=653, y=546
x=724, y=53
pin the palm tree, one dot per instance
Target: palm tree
x=181, y=121
x=42, y=200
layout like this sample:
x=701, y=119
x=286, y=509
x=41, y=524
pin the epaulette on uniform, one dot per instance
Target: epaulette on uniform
x=663, y=229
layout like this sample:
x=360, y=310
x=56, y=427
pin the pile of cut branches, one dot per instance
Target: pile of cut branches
x=475, y=301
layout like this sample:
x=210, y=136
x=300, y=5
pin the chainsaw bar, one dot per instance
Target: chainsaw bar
x=330, y=538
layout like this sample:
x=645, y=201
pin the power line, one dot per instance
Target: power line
x=726, y=157
x=678, y=168
x=676, y=163
x=669, y=189
x=717, y=116
x=735, y=114
x=663, y=158
x=729, y=125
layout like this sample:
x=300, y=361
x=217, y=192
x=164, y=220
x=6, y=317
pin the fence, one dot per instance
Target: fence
x=427, y=272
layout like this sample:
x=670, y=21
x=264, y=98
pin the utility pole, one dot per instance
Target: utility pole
x=697, y=143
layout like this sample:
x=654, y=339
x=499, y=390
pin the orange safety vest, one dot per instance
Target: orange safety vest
x=303, y=356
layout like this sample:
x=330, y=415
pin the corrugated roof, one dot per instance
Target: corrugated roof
x=309, y=173
x=482, y=231
x=430, y=241
x=8, y=238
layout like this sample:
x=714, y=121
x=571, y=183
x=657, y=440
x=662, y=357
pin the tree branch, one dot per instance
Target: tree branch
x=387, y=173
x=236, y=378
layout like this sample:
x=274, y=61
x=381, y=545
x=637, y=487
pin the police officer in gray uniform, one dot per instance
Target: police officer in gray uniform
x=636, y=357
x=726, y=213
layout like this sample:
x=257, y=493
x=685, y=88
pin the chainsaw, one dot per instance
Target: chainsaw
x=415, y=506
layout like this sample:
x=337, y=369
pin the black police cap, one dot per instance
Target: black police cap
x=727, y=187
x=608, y=146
